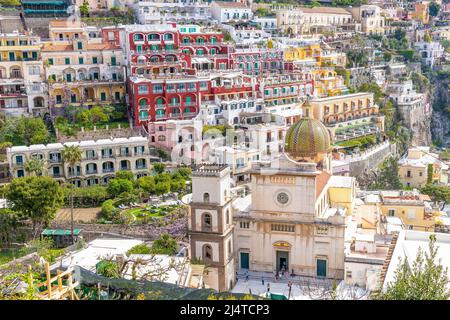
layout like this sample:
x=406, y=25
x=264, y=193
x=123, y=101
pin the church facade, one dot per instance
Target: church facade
x=286, y=223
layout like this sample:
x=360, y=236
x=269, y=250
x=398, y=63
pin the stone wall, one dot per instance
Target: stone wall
x=369, y=160
x=101, y=134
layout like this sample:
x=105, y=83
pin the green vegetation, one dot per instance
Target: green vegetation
x=98, y=116
x=437, y=193
x=152, y=212
x=264, y=12
x=87, y=197
x=35, y=198
x=361, y=142
x=108, y=269
x=387, y=178
x=430, y=173
x=84, y=9
x=423, y=279
x=9, y=3
x=165, y=244
x=140, y=249
x=24, y=131
x=433, y=9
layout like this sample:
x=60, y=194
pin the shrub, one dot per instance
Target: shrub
x=165, y=244
x=109, y=211
x=139, y=249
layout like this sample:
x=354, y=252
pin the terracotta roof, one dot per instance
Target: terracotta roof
x=321, y=182
x=48, y=47
x=325, y=10
x=226, y=4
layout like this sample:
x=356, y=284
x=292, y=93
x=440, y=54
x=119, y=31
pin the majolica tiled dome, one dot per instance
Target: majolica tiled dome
x=307, y=138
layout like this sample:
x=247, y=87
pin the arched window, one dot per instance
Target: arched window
x=207, y=252
x=206, y=197
x=207, y=222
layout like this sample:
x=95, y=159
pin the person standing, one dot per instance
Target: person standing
x=268, y=287
x=262, y=281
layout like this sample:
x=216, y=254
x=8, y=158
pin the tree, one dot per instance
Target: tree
x=387, y=178
x=165, y=244
x=433, y=9
x=84, y=9
x=109, y=211
x=35, y=166
x=315, y=3
x=430, y=173
x=427, y=37
x=124, y=174
x=437, y=193
x=147, y=184
x=159, y=167
x=8, y=225
x=424, y=279
x=399, y=34
x=139, y=249
x=9, y=3
x=24, y=131
x=374, y=88
x=118, y=186
x=36, y=198
x=162, y=187
x=71, y=155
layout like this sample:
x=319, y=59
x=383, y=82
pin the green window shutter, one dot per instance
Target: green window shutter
x=113, y=61
x=50, y=61
x=34, y=55
x=80, y=60
x=103, y=96
x=80, y=45
x=58, y=99
x=117, y=95
x=94, y=60
x=73, y=98
x=186, y=110
x=143, y=115
x=67, y=60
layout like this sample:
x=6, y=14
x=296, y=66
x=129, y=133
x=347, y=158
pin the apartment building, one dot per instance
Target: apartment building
x=302, y=20
x=224, y=11
x=430, y=52
x=257, y=61
x=413, y=168
x=346, y=116
x=100, y=160
x=182, y=11
x=82, y=69
x=22, y=91
x=313, y=54
x=371, y=18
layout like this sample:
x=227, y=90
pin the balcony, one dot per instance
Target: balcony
x=108, y=170
x=55, y=160
x=125, y=154
x=124, y=168
x=174, y=104
x=74, y=174
x=107, y=156
x=18, y=164
x=140, y=167
x=91, y=158
x=91, y=171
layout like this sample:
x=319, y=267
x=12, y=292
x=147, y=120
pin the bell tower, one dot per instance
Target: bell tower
x=210, y=224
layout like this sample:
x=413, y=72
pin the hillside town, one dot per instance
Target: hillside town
x=211, y=150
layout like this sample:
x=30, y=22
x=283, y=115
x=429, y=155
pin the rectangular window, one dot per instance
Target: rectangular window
x=50, y=61
x=323, y=231
x=80, y=45
x=142, y=89
x=67, y=60
x=103, y=96
x=117, y=95
x=157, y=88
x=113, y=61
x=58, y=99
x=80, y=60
x=94, y=60
x=34, y=70
x=391, y=212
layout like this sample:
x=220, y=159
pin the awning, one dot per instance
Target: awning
x=201, y=60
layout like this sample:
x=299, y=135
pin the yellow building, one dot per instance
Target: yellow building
x=328, y=83
x=82, y=68
x=347, y=116
x=315, y=54
x=22, y=89
x=414, y=209
x=342, y=193
x=413, y=168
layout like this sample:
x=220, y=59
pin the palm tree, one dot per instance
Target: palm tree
x=72, y=156
x=35, y=166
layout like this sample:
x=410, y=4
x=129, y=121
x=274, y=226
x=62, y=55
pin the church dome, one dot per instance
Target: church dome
x=307, y=137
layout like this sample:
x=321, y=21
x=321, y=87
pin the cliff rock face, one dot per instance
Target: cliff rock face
x=440, y=122
x=440, y=127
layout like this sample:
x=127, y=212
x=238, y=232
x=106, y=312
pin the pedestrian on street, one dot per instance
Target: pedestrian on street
x=268, y=287
x=262, y=281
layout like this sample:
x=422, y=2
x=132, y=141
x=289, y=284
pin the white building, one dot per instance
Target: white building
x=430, y=52
x=100, y=159
x=230, y=11
x=181, y=11
x=268, y=24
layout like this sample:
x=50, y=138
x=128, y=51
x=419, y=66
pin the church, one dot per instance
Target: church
x=292, y=220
